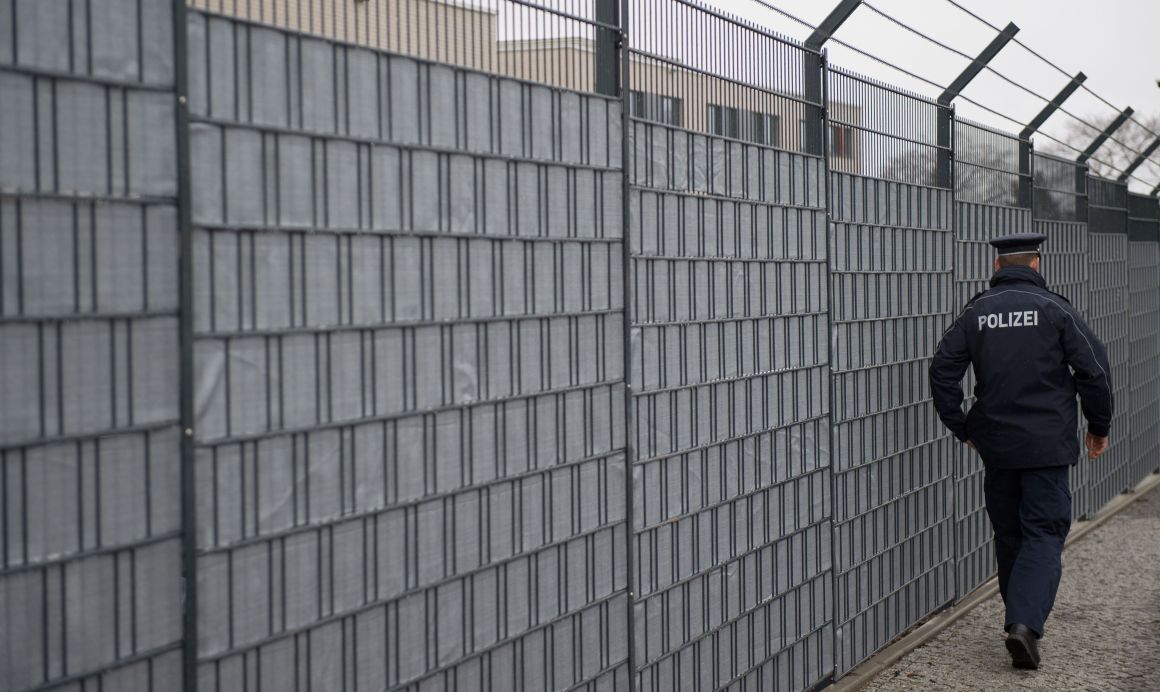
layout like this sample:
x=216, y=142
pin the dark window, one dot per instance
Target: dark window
x=654, y=107
x=739, y=123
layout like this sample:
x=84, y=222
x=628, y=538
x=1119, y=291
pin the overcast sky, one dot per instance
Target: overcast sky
x=1116, y=43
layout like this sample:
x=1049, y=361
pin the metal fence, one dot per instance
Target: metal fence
x=417, y=344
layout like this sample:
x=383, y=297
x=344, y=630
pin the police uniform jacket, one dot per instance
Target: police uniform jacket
x=1031, y=352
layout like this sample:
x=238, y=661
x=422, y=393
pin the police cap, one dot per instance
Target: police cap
x=1018, y=243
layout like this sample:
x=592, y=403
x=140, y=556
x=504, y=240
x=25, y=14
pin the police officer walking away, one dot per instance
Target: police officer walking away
x=1031, y=352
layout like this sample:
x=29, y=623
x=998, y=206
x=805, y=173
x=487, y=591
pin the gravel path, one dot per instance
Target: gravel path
x=1104, y=633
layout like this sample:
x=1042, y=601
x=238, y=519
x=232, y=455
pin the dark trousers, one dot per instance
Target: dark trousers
x=1030, y=510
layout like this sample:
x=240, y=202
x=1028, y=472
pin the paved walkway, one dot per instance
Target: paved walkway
x=1104, y=633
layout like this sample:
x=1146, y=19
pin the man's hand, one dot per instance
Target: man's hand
x=1095, y=445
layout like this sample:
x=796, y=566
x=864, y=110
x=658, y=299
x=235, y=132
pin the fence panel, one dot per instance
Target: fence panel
x=1066, y=260
x=1144, y=312
x=731, y=532
x=90, y=488
x=987, y=205
x=891, y=287
x=1108, y=309
x=409, y=350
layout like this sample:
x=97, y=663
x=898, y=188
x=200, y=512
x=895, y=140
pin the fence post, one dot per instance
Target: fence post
x=945, y=154
x=189, y=601
x=608, y=40
x=1026, y=156
x=621, y=57
x=812, y=75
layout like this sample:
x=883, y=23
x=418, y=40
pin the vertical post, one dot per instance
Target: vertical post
x=1081, y=199
x=944, y=154
x=1026, y=156
x=623, y=53
x=946, y=117
x=1026, y=195
x=812, y=76
x=815, y=106
x=608, y=40
x=189, y=602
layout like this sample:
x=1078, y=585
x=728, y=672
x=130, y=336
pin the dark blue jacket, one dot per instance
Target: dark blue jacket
x=1031, y=352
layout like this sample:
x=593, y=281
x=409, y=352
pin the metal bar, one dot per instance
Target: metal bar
x=1055, y=104
x=944, y=166
x=627, y=295
x=813, y=75
x=1103, y=137
x=831, y=23
x=977, y=65
x=831, y=388
x=189, y=602
x=1026, y=175
x=1139, y=160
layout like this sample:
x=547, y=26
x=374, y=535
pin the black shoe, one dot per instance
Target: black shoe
x=1024, y=649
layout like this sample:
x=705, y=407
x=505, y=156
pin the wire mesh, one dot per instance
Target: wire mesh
x=731, y=532
x=880, y=131
x=987, y=165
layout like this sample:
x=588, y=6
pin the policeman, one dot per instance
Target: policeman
x=1031, y=352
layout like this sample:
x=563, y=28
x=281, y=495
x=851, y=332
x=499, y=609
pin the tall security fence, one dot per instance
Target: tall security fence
x=506, y=345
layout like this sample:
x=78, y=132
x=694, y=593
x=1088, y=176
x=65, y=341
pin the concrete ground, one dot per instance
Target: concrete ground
x=1104, y=633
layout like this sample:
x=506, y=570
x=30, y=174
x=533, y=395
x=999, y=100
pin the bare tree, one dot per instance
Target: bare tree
x=1117, y=153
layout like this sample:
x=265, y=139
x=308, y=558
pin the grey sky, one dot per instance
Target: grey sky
x=1115, y=43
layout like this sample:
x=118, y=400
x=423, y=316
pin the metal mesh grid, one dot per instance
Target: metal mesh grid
x=1108, y=298
x=1144, y=316
x=731, y=533
x=891, y=281
x=410, y=448
x=986, y=167
x=90, y=548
